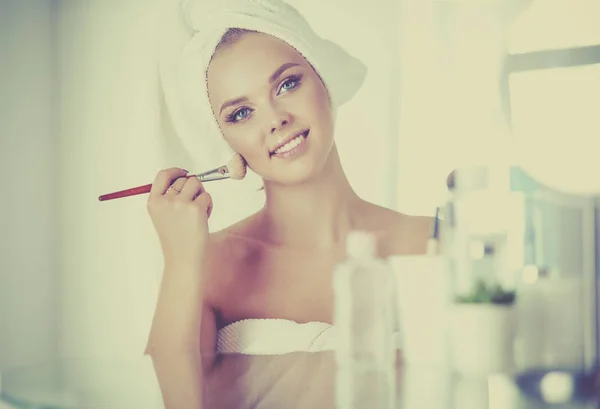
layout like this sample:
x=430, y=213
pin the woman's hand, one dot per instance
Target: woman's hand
x=179, y=208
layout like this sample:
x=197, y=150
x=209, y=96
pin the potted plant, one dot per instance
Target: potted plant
x=482, y=329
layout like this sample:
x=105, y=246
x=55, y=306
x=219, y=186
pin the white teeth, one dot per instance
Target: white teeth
x=291, y=144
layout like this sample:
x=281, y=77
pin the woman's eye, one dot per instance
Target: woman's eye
x=242, y=113
x=238, y=115
x=289, y=84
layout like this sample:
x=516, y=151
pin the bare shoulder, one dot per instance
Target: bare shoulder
x=401, y=233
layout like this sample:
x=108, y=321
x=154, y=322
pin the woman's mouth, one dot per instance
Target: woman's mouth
x=292, y=147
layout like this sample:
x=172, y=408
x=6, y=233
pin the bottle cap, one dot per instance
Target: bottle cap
x=360, y=244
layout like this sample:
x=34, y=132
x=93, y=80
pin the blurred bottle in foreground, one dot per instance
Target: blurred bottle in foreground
x=365, y=320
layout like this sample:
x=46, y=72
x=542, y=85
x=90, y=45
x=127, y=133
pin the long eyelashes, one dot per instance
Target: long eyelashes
x=289, y=84
x=294, y=79
x=233, y=117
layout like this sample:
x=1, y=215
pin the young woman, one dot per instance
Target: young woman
x=273, y=107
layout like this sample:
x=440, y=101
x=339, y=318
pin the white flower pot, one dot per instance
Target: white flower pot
x=481, y=338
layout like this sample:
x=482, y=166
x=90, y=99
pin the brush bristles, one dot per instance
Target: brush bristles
x=237, y=167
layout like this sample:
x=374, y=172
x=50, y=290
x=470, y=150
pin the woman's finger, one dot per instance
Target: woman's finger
x=192, y=189
x=163, y=180
x=204, y=200
x=176, y=187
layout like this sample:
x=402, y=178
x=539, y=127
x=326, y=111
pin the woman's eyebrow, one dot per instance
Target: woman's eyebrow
x=280, y=70
x=232, y=102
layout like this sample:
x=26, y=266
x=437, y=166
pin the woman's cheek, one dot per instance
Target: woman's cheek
x=246, y=147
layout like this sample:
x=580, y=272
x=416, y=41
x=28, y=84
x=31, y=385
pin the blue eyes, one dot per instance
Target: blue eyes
x=291, y=82
x=240, y=114
x=244, y=112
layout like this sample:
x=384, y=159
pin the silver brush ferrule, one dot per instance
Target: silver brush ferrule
x=216, y=174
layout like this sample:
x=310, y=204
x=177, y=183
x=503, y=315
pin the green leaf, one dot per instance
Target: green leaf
x=483, y=294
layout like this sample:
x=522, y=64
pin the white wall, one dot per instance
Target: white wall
x=109, y=138
x=28, y=200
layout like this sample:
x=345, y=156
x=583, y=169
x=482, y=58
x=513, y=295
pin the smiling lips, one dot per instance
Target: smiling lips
x=292, y=144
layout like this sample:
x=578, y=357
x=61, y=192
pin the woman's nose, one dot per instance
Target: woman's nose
x=280, y=119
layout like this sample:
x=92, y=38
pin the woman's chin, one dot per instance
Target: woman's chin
x=297, y=172
x=294, y=177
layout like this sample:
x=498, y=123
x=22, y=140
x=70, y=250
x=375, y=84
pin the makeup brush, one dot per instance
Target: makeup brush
x=235, y=169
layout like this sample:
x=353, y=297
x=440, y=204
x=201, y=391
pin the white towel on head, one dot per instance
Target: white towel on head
x=186, y=52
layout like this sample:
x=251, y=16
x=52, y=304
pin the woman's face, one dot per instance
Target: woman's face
x=272, y=107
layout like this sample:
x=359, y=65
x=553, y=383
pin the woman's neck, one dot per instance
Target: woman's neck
x=315, y=214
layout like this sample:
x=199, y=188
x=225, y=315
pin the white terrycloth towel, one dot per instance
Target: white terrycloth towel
x=280, y=336
x=185, y=52
x=275, y=337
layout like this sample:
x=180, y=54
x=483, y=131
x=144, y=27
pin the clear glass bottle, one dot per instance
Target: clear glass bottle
x=364, y=316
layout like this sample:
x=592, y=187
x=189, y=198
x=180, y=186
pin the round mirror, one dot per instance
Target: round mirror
x=570, y=164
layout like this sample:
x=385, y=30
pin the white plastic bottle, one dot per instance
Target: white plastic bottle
x=364, y=318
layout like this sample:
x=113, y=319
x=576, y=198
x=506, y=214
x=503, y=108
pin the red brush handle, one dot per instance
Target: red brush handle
x=127, y=192
x=130, y=192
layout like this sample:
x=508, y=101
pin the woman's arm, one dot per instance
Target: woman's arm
x=178, y=314
x=183, y=327
x=180, y=378
x=179, y=208
x=184, y=320
x=174, y=340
